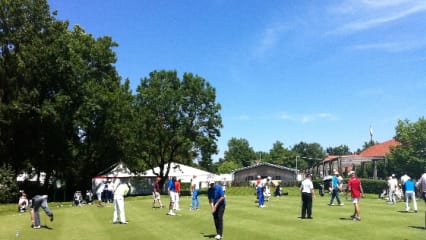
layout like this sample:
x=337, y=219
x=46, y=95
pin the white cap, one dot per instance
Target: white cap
x=211, y=182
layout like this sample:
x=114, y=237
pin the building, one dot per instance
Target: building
x=276, y=172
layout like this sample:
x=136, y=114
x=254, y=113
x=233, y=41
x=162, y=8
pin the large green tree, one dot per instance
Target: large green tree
x=410, y=156
x=62, y=106
x=178, y=120
x=308, y=153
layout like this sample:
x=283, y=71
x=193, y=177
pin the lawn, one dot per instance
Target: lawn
x=243, y=220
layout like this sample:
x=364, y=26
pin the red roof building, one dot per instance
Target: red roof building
x=379, y=150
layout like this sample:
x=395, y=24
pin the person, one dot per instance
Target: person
x=355, y=187
x=308, y=193
x=421, y=185
x=267, y=190
x=410, y=193
x=392, y=186
x=119, y=193
x=156, y=193
x=217, y=202
x=23, y=202
x=259, y=190
x=78, y=198
x=177, y=195
x=172, y=192
x=335, y=189
x=35, y=203
x=195, y=190
x=89, y=197
x=403, y=179
x=278, y=190
x=99, y=192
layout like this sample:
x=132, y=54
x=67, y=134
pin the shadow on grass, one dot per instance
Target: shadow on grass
x=348, y=218
x=47, y=227
x=418, y=227
x=208, y=235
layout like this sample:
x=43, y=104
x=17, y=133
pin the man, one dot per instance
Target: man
x=410, y=193
x=36, y=202
x=156, y=193
x=355, y=187
x=172, y=195
x=195, y=190
x=119, y=193
x=392, y=186
x=217, y=202
x=99, y=192
x=421, y=185
x=177, y=195
x=335, y=189
x=259, y=190
x=308, y=193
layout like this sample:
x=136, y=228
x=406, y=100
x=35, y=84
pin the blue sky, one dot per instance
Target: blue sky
x=289, y=71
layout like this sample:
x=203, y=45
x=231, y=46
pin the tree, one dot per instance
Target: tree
x=177, y=120
x=240, y=152
x=62, y=107
x=8, y=185
x=309, y=153
x=227, y=167
x=410, y=156
x=339, y=150
x=281, y=156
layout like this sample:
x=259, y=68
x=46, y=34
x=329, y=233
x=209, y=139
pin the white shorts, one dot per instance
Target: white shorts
x=355, y=200
x=172, y=196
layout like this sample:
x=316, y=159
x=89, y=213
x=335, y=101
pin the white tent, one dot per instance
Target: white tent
x=184, y=173
x=120, y=173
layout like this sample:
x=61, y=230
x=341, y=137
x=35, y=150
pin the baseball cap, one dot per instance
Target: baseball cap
x=211, y=182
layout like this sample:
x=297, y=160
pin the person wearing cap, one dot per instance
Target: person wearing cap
x=217, y=203
x=335, y=189
x=172, y=195
x=195, y=190
x=308, y=193
x=259, y=191
x=355, y=187
x=156, y=193
x=119, y=192
x=392, y=186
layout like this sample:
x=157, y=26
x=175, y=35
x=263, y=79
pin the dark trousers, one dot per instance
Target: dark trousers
x=306, y=204
x=218, y=219
x=335, y=194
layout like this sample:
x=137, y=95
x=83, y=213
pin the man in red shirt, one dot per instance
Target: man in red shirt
x=355, y=187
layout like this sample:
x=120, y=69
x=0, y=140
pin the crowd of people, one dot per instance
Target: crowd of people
x=216, y=197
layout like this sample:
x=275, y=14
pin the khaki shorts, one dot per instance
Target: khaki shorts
x=156, y=195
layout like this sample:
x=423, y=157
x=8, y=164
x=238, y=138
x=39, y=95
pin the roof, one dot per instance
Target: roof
x=183, y=172
x=379, y=150
x=116, y=170
x=264, y=164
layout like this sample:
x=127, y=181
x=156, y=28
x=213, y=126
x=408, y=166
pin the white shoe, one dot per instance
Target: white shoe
x=218, y=237
x=171, y=213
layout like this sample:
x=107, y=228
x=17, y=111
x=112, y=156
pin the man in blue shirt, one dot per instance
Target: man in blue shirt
x=335, y=189
x=172, y=192
x=217, y=202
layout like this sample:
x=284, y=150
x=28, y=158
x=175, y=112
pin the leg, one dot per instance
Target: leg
x=120, y=203
x=309, y=206
x=115, y=216
x=219, y=219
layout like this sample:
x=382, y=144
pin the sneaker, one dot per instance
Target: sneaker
x=126, y=222
x=116, y=222
x=171, y=213
x=37, y=227
x=331, y=204
x=218, y=237
x=356, y=219
x=341, y=204
x=352, y=216
x=415, y=211
x=51, y=217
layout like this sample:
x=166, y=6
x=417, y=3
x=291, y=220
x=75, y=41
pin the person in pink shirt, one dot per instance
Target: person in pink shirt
x=355, y=187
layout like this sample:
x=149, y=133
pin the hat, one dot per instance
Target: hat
x=211, y=182
x=351, y=173
x=336, y=172
x=258, y=176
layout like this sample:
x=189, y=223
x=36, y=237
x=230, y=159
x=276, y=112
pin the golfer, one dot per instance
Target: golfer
x=307, y=190
x=36, y=202
x=355, y=187
x=120, y=191
x=217, y=202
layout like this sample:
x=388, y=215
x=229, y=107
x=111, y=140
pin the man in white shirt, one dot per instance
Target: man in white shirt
x=307, y=190
x=120, y=191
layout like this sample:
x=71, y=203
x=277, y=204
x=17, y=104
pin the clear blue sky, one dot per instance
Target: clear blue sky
x=290, y=71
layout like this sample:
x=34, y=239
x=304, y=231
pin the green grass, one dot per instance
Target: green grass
x=243, y=220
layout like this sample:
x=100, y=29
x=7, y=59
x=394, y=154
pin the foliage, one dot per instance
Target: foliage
x=339, y=150
x=410, y=156
x=309, y=153
x=240, y=152
x=8, y=186
x=177, y=120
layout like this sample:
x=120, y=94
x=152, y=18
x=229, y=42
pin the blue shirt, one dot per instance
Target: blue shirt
x=172, y=186
x=215, y=193
x=409, y=185
x=335, y=182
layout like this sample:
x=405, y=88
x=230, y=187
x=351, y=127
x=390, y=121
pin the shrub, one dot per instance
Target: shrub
x=8, y=185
